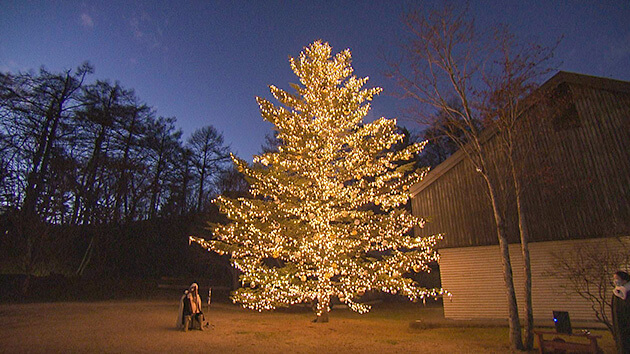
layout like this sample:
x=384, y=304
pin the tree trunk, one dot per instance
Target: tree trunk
x=522, y=225
x=121, y=190
x=323, y=317
x=46, y=143
x=40, y=163
x=155, y=190
x=89, y=185
x=27, y=227
x=184, y=196
x=202, y=177
x=87, y=256
x=322, y=309
x=236, y=282
x=516, y=341
x=155, y=185
x=25, y=284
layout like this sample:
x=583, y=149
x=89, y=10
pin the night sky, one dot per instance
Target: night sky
x=204, y=62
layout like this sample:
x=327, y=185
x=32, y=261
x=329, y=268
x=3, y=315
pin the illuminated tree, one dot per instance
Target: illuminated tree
x=327, y=218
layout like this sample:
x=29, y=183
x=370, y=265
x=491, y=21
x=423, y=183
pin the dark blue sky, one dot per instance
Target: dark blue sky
x=204, y=62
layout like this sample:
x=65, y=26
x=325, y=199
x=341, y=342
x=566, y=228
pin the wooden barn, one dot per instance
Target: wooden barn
x=575, y=158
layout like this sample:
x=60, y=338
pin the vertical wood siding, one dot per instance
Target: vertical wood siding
x=475, y=278
x=576, y=159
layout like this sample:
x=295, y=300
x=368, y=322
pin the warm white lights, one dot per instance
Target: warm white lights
x=328, y=217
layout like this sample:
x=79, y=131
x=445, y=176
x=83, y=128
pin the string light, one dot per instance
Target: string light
x=327, y=218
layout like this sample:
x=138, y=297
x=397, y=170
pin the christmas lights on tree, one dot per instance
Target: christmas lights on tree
x=327, y=217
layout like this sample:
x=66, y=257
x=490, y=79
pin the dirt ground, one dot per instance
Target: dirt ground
x=149, y=326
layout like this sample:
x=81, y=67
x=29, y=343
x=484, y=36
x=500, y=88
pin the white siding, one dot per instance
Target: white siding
x=474, y=276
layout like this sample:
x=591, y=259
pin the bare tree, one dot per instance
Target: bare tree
x=95, y=122
x=440, y=146
x=105, y=107
x=511, y=93
x=446, y=69
x=75, y=156
x=37, y=112
x=232, y=183
x=127, y=160
x=180, y=199
x=208, y=154
x=588, y=272
x=162, y=142
x=271, y=142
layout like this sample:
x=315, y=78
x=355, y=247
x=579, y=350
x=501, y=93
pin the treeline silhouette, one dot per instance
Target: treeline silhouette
x=93, y=180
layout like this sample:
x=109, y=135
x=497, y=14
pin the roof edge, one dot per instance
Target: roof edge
x=557, y=79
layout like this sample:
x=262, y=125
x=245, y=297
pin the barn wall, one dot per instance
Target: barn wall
x=474, y=276
x=575, y=159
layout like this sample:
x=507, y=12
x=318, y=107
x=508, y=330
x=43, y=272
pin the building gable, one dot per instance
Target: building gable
x=576, y=158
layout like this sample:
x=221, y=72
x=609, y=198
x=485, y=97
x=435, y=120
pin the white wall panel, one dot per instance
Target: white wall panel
x=474, y=276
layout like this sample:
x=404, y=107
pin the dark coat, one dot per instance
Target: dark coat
x=187, y=306
x=621, y=323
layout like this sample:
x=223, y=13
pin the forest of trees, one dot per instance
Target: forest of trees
x=78, y=155
x=93, y=180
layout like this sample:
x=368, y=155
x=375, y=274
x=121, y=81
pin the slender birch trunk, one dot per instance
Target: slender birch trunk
x=516, y=340
x=524, y=235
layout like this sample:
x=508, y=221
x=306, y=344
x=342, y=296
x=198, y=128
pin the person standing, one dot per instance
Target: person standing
x=621, y=312
x=190, y=314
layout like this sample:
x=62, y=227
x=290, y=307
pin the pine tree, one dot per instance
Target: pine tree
x=327, y=218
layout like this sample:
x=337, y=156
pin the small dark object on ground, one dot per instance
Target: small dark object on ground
x=419, y=324
x=562, y=322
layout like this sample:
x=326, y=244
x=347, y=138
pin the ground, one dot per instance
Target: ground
x=149, y=326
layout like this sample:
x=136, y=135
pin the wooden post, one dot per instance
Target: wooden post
x=541, y=343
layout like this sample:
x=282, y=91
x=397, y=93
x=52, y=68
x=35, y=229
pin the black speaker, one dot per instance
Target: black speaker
x=562, y=322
